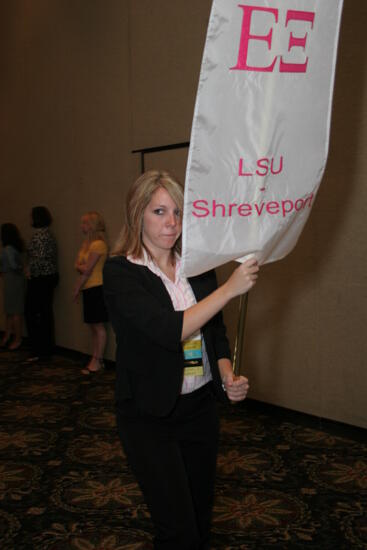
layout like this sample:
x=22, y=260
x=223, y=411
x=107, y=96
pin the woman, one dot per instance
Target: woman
x=12, y=269
x=42, y=273
x=172, y=356
x=89, y=264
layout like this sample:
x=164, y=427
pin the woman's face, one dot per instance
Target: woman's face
x=84, y=225
x=162, y=223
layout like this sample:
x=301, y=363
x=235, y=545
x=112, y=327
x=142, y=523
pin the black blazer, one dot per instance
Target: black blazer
x=149, y=357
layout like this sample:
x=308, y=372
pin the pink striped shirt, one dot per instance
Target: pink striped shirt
x=182, y=297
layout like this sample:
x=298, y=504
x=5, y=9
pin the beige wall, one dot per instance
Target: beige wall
x=83, y=82
x=65, y=125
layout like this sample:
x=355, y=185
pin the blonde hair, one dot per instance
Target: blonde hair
x=139, y=196
x=97, y=228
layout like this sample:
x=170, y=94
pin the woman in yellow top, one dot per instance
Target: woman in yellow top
x=89, y=264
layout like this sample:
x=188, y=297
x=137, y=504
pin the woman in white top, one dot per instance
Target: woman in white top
x=12, y=271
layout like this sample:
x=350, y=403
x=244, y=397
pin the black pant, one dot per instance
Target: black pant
x=39, y=314
x=174, y=461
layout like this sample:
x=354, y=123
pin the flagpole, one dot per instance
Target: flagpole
x=238, y=347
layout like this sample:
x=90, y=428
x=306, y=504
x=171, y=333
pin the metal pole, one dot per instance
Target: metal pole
x=238, y=347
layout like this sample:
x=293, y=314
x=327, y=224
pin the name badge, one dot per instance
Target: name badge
x=193, y=357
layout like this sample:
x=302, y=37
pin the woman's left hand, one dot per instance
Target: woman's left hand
x=236, y=387
x=76, y=293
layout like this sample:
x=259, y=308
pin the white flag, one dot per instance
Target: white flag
x=260, y=132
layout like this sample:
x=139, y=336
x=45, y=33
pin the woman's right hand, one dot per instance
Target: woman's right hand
x=243, y=278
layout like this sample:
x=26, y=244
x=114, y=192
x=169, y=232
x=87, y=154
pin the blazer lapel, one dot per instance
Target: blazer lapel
x=197, y=287
x=156, y=286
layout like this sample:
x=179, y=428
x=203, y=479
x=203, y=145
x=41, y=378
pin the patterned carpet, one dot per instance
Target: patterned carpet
x=285, y=480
